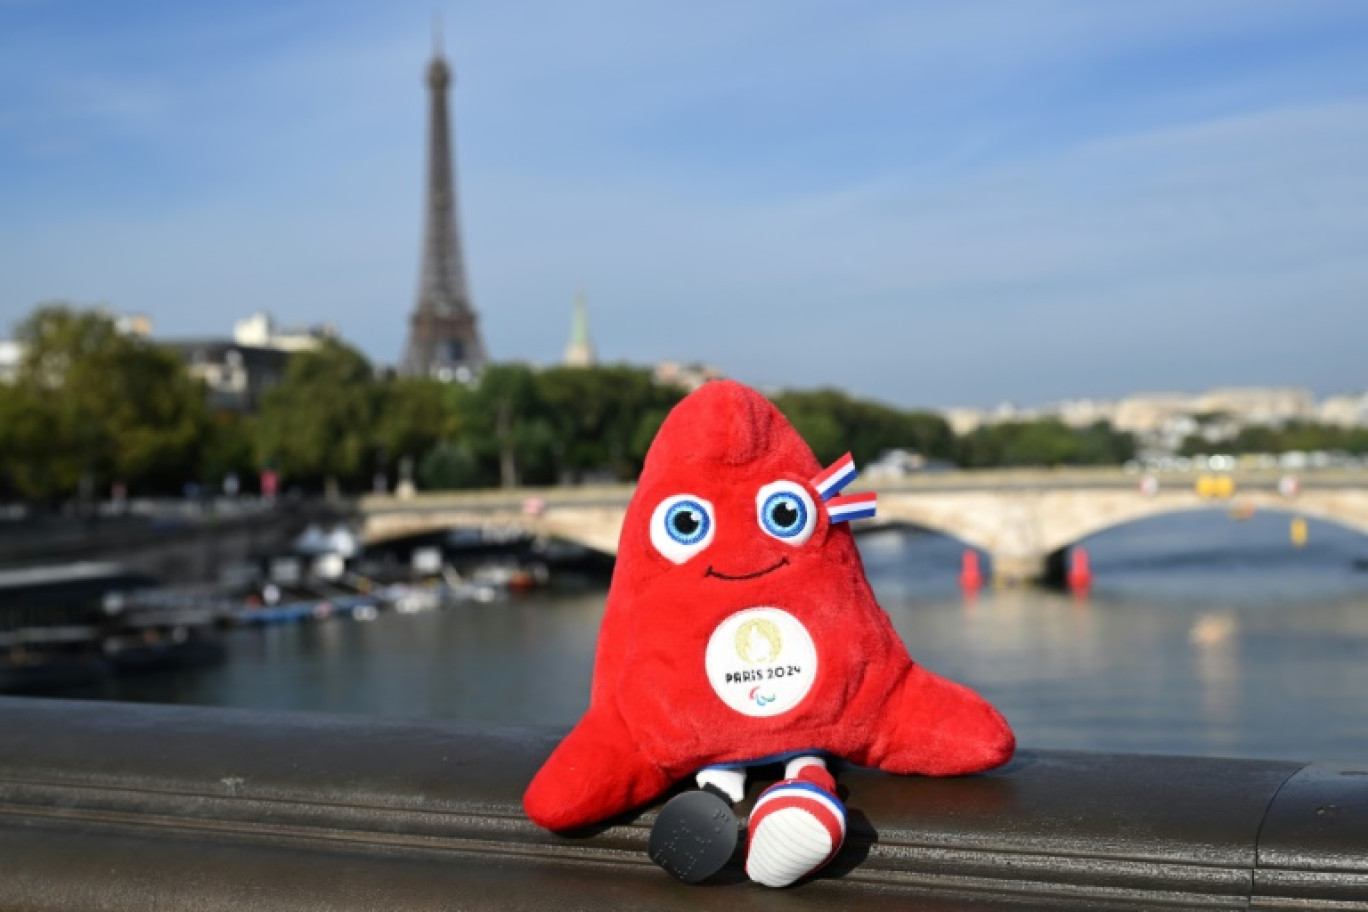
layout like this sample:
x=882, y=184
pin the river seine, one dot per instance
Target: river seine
x=1200, y=635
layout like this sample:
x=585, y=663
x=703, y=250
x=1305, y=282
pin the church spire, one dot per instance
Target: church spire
x=443, y=341
x=580, y=351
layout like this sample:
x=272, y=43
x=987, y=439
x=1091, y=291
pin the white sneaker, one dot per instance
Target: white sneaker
x=796, y=827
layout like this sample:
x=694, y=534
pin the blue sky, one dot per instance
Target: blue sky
x=928, y=203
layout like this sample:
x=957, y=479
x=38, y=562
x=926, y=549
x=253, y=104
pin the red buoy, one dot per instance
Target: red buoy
x=1080, y=577
x=970, y=576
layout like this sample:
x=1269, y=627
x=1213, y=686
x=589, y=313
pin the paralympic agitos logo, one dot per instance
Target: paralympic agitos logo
x=761, y=699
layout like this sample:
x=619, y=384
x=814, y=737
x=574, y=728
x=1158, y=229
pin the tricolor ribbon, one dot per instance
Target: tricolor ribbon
x=852, y=506
x=843, y=507
x=834, y=477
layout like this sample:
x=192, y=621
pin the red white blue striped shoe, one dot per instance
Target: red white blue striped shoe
x=796, y=826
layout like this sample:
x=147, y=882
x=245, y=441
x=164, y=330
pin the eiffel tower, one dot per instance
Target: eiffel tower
x=444, y=341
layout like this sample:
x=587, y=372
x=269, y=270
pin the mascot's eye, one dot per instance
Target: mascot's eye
x=786, y=512
x=682, y=526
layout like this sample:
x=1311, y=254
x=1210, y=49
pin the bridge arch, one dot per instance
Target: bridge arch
x=901, y=524
x=1338, y=508
x=1019, y=525
x=969, y=517
x=1026, y=530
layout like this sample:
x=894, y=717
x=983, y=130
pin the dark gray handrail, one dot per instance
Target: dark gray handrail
x=127, y=806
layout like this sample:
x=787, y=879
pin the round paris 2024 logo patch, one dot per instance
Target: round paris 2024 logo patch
x=761, y=661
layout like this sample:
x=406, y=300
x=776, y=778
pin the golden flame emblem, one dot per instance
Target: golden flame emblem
x=758, y=641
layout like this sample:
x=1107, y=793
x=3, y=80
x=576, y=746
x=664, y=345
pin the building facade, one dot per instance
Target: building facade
x=238, y=371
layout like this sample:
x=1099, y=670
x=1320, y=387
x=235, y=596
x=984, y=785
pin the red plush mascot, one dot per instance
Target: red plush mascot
x=740, y=630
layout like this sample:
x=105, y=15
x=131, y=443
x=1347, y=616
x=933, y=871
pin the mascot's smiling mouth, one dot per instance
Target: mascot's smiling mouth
x=783, y=562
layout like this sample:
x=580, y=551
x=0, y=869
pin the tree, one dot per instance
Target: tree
x=1304, y=436
x=228, y=448
x=316, y=424
x=511, y=416
x=11, y=437
x=91, y=405
x=414, y=414
x=450, y=465
x=597, y=415
x=32, y=455
x=1101, y=444
x=833, y=422
x=1048, y=442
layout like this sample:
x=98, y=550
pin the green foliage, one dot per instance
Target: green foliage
x=228, y=449
x=1048, y=442
x=92, y=402
x=1305, y=436
x=832, y=423
x=1101, y=444
x=317, y=424
x=413, y=415
x=599, y=416
x=27, y=447
x=451, y=465
x=508, y=411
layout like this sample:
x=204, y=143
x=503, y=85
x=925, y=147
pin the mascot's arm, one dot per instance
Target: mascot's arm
x=595, y=773
x=936, y=727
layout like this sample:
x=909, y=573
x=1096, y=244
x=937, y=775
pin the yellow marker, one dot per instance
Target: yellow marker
x=1215, y=486
x=1299, y=532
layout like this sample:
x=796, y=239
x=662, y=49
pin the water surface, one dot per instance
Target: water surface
x=1201, y=635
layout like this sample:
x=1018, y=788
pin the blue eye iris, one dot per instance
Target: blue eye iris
x=687, y=522
x=786, y=511
x=682, y=527
x=784, y=514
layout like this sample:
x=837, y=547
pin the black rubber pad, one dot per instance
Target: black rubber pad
x=694, y=836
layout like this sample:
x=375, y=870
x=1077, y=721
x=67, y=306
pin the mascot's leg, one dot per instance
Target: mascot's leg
x=695, y=833
x=936, y=727
x=728, y=782
x=796, y=826
x=595, y=773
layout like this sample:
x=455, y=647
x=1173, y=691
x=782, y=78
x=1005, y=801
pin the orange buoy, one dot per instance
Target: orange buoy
x=1080, y=577
x=971, y=577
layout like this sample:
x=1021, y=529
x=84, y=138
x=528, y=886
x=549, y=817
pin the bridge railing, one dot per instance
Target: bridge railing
x=122, y=806
x=1062, y=477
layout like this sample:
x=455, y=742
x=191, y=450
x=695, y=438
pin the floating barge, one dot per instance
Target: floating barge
x=67, y=625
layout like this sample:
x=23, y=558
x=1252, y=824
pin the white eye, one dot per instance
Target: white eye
x=682, y=526
x=786, y=512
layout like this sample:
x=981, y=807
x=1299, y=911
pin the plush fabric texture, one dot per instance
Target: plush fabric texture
x=657, y=710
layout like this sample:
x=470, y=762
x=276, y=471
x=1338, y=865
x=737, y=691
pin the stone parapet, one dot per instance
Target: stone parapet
x=123, y=806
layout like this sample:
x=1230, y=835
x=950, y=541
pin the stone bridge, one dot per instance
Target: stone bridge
x=173, y=541
x=1025, y=521
x=589, y=516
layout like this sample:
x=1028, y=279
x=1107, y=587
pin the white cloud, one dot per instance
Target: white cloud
x=959, y=189
x=1208, y=231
